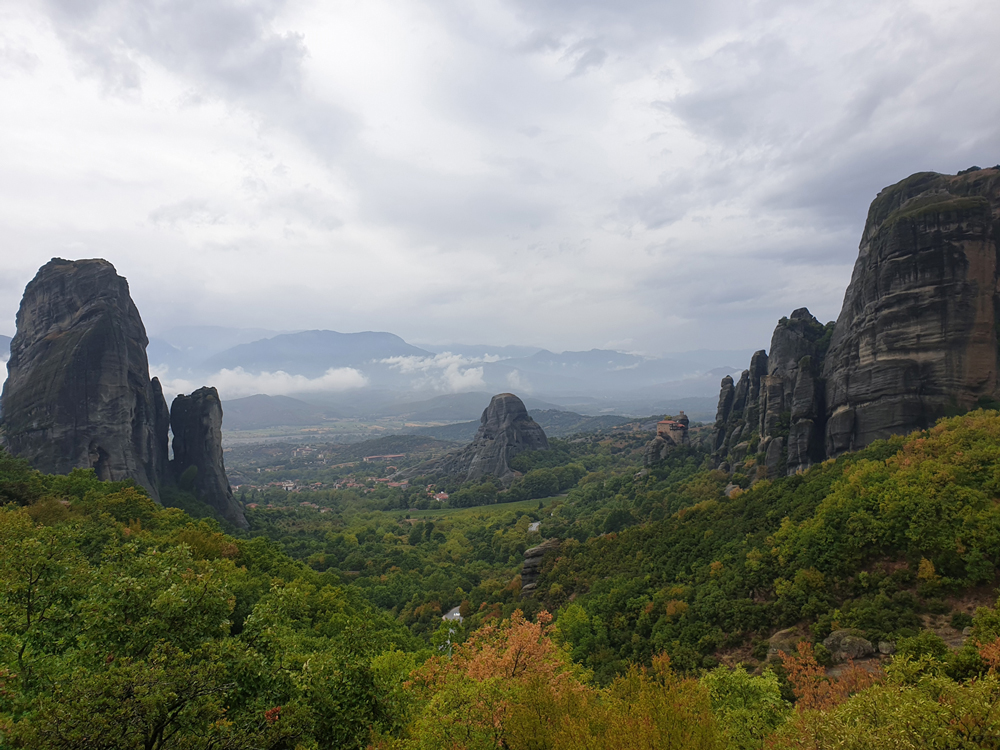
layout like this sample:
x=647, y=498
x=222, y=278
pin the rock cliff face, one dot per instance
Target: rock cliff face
x=78, y=394
x=917, y=336
x=771, y=420
x=505, y=430
x=532, y=566
x=196, y=422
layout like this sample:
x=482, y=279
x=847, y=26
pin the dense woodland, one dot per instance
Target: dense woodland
x=124, y=624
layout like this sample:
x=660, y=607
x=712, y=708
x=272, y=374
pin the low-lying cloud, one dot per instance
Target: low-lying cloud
x=447, y=372
x=238, y=382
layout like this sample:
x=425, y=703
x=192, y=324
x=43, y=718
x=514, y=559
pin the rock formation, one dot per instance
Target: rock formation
x=78, y=393
x=532, y=566
x=916, y=337
x=670, y=434
x=772, y=418
x=505, y=430
x=196, y=422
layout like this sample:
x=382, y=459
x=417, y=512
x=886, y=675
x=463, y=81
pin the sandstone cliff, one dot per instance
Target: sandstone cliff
x=916, y=337
x=78, y=393
x=505, y=430
x=196, y=422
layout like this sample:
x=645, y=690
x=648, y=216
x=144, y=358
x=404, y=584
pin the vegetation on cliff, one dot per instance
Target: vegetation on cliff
x=124, y=624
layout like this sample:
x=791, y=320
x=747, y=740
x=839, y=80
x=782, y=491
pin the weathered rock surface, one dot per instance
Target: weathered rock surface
x=78, y=394
x=196, y=422
x=532, y=566
x=916, y=337
x=784, y=641
x=845, y=645
x=505, y=430
x=774, y=418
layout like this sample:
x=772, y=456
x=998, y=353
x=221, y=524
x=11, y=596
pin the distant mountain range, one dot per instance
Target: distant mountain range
x=378, y=374
x=556, y=424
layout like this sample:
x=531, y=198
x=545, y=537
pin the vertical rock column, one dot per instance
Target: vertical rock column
x=78, y=393
x=196, y=421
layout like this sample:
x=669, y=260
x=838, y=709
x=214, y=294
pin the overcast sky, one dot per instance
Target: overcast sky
x=648, y=175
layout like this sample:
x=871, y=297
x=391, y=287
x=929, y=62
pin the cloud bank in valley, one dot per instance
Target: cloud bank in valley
x=561, y=174
x=444, y=372
x=237, y=382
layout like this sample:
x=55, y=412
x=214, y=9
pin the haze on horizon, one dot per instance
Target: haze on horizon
x=650, y=177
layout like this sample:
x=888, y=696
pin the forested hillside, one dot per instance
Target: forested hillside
x=127, y=625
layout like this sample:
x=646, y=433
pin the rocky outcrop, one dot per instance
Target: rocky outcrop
x=78, y=393
x=671, y=433
x=917, y=335
x=196, y=423
x=848, y=645
x=771, y=421
x=505, y=430
x=916, y=338
x=531, y=568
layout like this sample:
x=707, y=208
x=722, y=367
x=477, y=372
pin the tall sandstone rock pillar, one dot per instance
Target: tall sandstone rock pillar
x=78, y=393
x=917, y=335
x=196, y=422
x=916, y=339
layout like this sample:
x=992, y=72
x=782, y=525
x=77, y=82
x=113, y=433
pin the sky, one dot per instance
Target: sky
x=645, y=175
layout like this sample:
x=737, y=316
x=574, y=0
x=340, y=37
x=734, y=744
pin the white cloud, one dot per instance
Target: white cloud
x=556, y=174
x=236, y=383
x=451, y=373
x=517, y=382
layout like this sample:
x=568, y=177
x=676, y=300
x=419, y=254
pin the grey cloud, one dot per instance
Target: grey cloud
x=187, y=211
x=224, y=43
x=590, y=57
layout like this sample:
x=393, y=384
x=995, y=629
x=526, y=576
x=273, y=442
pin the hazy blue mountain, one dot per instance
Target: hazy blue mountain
x=260, y=411
x=312, y=353
x=452, y=407
x=555, y=422
x=478, y=351
x=4, y=347
x=187, y=347
x=618, y=382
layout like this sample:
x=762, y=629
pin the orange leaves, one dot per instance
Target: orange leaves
x=813, y=689
x=990, y=653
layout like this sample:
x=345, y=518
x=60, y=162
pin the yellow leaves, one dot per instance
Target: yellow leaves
x=925, y=571
x=715, y=568
x=675, y=608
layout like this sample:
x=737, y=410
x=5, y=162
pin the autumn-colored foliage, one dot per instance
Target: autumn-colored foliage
x=990, y=653
x=510, y=686
x=813, y=688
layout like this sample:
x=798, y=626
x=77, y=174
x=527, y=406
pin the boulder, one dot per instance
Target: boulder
x=845, y=645
x=78, y=393
x=196, y=422
x=886, y=648
x=784, y=641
